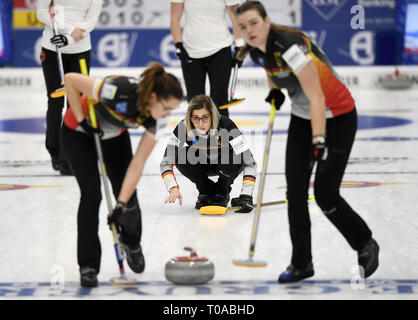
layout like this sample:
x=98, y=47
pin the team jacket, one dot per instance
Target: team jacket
x=286, y=55
x=223, y=145
x=114, y=100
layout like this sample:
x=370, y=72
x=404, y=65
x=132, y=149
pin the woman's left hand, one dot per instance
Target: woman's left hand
x=174, y=195
x=77, y=34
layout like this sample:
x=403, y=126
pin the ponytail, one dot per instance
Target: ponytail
x=163, y=84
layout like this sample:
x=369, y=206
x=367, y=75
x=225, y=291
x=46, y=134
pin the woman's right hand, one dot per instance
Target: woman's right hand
x=78, y=34
x=174, y=195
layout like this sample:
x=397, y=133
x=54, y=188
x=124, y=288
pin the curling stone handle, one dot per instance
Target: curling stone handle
x=192, y=251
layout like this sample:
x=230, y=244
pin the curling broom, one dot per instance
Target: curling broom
x=123, y=279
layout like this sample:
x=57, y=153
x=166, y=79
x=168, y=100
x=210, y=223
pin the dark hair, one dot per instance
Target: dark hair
x=163, y=84
x=258, y=6
x=252, y=5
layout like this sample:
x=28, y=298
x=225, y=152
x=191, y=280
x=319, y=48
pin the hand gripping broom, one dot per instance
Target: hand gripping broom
x=60, y=92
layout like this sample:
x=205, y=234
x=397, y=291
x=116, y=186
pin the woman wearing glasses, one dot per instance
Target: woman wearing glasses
x=207, y=144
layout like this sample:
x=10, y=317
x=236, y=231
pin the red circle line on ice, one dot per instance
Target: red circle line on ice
x=358, y=184
x=10, y=187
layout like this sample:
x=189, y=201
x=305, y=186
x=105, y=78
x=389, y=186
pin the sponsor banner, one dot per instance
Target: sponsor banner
x=24, y=14
x=110, y=48
x=352, y=288
x=370, y=77
x=132, y=48
x=134, y=32
x=123, y=48
x=361, y=32
x=26, y=19
x=24, y=4
x=5, y=32
x=27, y=47
x=410, y=48
x=357, y=47
x=377, y=14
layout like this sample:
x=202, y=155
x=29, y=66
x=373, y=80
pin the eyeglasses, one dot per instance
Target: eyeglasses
x=196, y=119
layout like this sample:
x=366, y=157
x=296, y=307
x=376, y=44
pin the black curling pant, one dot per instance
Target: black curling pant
x=340, y=132
x=53, y=82
x=81, y=154
x=218, y=68
x=199, y=174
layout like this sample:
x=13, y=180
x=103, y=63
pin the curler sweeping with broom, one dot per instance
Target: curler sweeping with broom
x=120, y=103
x=207, y=144
x=65, y=40
x=322, y=130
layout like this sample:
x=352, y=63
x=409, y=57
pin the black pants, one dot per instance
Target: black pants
x=81, y=154
x=340, y=137
x=55, y=105
x=199, y=174
x=218, y=68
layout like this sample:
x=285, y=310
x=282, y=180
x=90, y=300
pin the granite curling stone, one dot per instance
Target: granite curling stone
x=189, y=270
x=397, y=81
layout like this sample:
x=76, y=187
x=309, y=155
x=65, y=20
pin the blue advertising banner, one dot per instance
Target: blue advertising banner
x=5, y=29
x=110, y=48
x=360, y=32
x=410, y=52
x=345, y=14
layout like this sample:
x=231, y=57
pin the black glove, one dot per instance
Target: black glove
x=235, y=60
x=245, y=202
x=117, y=214
x=89, y=129
x=59, y=40
x=182, y=53
x=319, y=151
x=276, y=97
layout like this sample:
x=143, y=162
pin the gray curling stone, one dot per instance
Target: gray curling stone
x=189, y=270
x=396, y=81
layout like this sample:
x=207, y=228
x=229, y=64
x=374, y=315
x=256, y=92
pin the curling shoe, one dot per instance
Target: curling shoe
x=293, y=274
x=220, y=200
x=134, y=256
x=55, y=162
x=203, y=200
x=65, y=169
x=368, y=258
x=88, y=277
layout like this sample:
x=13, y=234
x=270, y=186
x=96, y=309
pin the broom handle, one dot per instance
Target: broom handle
x=266, y=204
x=103, y=172
x=55, y=32
x=234, y=82
x=262, y=180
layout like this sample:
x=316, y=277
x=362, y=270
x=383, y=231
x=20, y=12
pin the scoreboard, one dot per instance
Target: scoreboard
x=155, y=14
